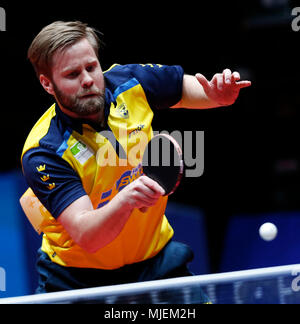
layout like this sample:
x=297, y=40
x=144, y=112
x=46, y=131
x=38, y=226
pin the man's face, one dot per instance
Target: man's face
x=77, y=80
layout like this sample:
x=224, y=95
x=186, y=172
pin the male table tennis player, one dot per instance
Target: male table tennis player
x=94, y=231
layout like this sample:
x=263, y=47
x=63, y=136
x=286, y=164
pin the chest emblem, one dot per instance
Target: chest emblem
x=123, y=111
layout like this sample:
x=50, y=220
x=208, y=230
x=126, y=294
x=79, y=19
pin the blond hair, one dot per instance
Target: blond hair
x=57, y=37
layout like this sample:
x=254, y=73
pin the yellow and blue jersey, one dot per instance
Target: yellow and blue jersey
x=65, y=158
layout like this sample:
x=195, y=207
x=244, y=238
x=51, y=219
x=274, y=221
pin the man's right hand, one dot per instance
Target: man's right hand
x=143, y=192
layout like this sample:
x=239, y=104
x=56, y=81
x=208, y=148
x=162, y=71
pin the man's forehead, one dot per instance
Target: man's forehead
x=77, y=54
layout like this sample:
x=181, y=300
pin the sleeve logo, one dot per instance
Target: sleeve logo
x=51, y=186
x=41, y=168
x=45, y=177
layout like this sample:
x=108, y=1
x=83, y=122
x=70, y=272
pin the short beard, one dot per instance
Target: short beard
x=82, y=107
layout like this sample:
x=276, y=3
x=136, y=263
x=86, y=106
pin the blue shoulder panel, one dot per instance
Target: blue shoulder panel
x=162, y=84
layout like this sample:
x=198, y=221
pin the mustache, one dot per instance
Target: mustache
x=90, y=91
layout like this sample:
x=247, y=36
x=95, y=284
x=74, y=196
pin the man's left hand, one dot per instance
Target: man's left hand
x=224, y=88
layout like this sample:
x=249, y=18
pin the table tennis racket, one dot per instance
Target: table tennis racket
x=162, y=161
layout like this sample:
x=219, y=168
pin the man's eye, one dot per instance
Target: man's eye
x=90, y=68
x=73, y=74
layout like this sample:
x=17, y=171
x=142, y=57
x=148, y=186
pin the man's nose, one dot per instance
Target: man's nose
x=87, y=80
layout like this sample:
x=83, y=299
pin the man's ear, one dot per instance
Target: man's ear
x=47, y=84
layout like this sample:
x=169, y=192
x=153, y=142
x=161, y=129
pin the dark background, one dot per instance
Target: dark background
x=251, y=148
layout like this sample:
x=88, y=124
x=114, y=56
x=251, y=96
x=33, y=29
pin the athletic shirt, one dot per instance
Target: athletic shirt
x=64, y=159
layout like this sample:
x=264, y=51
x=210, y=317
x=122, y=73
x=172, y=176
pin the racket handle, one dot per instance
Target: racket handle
x=143, y=209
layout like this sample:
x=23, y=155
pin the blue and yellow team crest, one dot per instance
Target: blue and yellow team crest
x=123, y=111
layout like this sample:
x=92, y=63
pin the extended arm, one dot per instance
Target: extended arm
x=222, y=90
x=92, y=228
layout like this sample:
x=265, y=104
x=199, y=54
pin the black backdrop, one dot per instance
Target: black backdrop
x=251, y=148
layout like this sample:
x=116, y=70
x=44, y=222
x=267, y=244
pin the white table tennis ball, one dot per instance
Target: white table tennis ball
x=268, y=231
